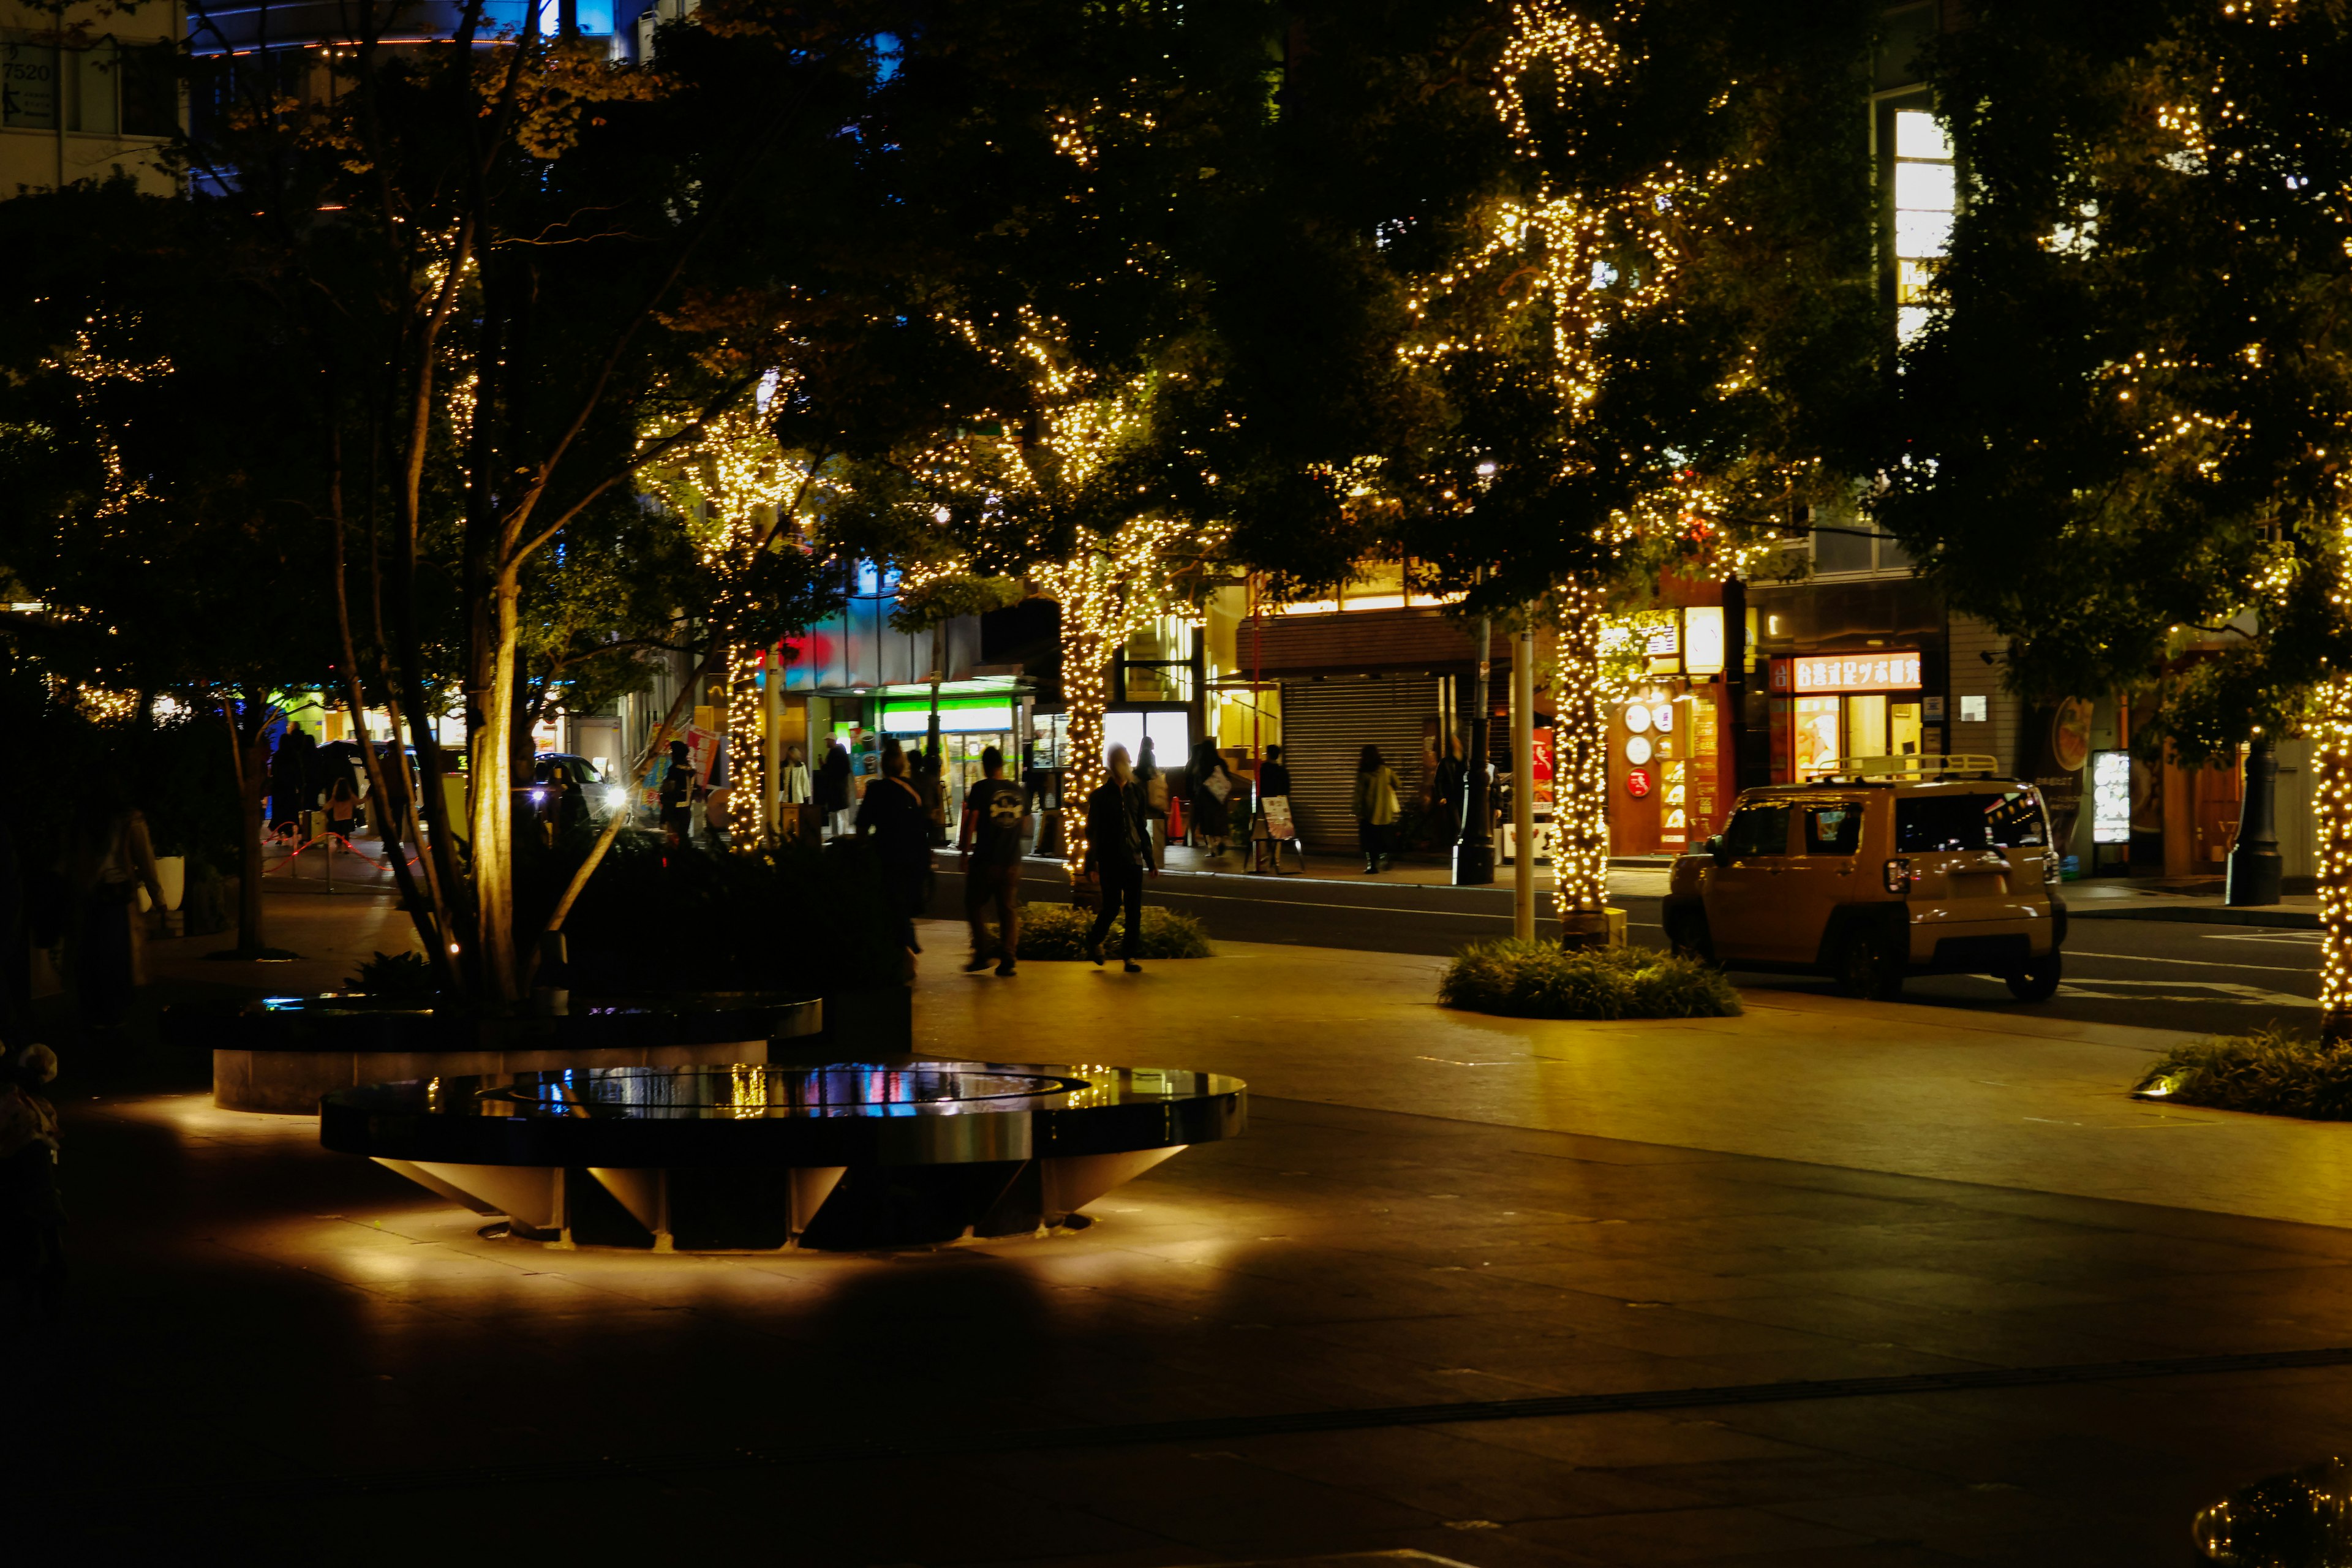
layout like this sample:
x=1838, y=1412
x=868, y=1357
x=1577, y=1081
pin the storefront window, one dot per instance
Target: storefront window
x=1818, y=734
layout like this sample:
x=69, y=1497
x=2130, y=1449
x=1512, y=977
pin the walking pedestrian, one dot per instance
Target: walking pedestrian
x=1376, y=808
x=832, y=785
x=1119, y=855
x=892, y=813
x=679, y=790
x=994, y=824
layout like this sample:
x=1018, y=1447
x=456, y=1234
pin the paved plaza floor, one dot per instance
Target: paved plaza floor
x=1833, y=1283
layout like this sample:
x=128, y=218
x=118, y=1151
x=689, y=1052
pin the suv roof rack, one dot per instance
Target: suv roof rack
x=1917, y=765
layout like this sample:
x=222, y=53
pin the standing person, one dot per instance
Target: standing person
x=793, y=792
x=1446, y=789
x=1274, y=808
x=1376, y=808
x=111, y=858
x=32, y=1257
x=287, y=792
x=996, y=822
x=833, y=786
x=1213, y=785
x=1155, y=797
x=342, y=808
x=932, y=789
x=1119, y=854
x=893, y=814
x=566, y=806
x=679, y=790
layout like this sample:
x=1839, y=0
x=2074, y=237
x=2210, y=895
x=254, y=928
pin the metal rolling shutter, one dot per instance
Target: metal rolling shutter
x=1325, y=725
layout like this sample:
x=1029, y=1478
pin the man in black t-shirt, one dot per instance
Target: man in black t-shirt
x=995, y=824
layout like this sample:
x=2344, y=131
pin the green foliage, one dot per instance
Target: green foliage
x=2291, y=1521
x=794, y=919
x=1542, y=979
x=392, y=974
x=2270, y=1071
x=2143, y=378
x=942, y=599
x=1052, y=933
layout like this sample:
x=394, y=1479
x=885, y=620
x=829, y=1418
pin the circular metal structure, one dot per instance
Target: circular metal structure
x=280, y=1053
x=759, y=1156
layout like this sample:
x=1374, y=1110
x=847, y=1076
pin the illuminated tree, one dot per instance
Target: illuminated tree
x=2126, y=425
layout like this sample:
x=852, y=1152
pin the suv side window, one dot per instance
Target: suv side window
x=1758, y=830
x=2012, y=820
x=1833, y=829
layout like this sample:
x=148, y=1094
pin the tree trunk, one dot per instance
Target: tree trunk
x=493, y=802
x=2331, y=810
x=1579, y=848
x=248, y=742
x=1086, y=676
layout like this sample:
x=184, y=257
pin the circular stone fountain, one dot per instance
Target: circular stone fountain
x=753, y=1156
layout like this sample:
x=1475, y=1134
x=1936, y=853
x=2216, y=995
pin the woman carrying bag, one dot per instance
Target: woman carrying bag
x=1118, y=853
x=1376, y=808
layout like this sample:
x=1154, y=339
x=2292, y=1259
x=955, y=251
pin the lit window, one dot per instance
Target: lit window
x=1926, y=195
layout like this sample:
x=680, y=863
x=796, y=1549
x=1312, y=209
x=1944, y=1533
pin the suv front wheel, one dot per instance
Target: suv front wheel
x=2037, y=982
x=1868, y=965
x=1687, y=936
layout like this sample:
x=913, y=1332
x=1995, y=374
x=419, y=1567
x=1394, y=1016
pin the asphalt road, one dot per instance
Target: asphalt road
x=2188, y=978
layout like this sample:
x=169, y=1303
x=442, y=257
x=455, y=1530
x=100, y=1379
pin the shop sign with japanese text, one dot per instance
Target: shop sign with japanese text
x=1893, y=670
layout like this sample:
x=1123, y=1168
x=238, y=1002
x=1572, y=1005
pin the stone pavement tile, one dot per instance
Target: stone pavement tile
x=1991, y=1338
x=1928, y=1287
x=1209, y=1497
x=1456, y=1480
x=1692, y=1535
x=1799, y=1476
x=1625, y=1439
x=1878, y=1554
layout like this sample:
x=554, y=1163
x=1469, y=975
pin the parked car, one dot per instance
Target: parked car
x=603, y=794
x=1893, y=866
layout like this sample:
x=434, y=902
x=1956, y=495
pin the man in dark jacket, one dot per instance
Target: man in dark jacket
x=1119, y=854
x=892, y=814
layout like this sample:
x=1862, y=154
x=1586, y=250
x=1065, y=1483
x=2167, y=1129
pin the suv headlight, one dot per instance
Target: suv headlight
x=1897, y=876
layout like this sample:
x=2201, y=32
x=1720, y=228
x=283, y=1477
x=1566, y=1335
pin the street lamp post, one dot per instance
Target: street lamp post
x=1474, y=853
x=1523, y=786
x=2255, y=865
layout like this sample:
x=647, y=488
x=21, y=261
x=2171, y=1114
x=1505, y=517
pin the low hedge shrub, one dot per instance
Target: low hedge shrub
x=1542, y=979
x=2270, y=1071
x=1053, y=932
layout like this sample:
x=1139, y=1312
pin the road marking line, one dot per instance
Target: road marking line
x=2196, y=963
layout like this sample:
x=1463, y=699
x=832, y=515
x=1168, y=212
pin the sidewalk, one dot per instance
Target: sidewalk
x=2027, y=1103
x=1503, y=1293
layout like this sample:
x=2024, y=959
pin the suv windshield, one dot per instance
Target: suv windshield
x=1924, y=824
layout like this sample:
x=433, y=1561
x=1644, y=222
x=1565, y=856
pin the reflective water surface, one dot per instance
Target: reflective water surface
x=2298, y=1519
x=843, y=1088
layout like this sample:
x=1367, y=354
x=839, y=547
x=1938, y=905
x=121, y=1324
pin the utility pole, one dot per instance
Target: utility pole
x=1523, y=786
x=1474, y=854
